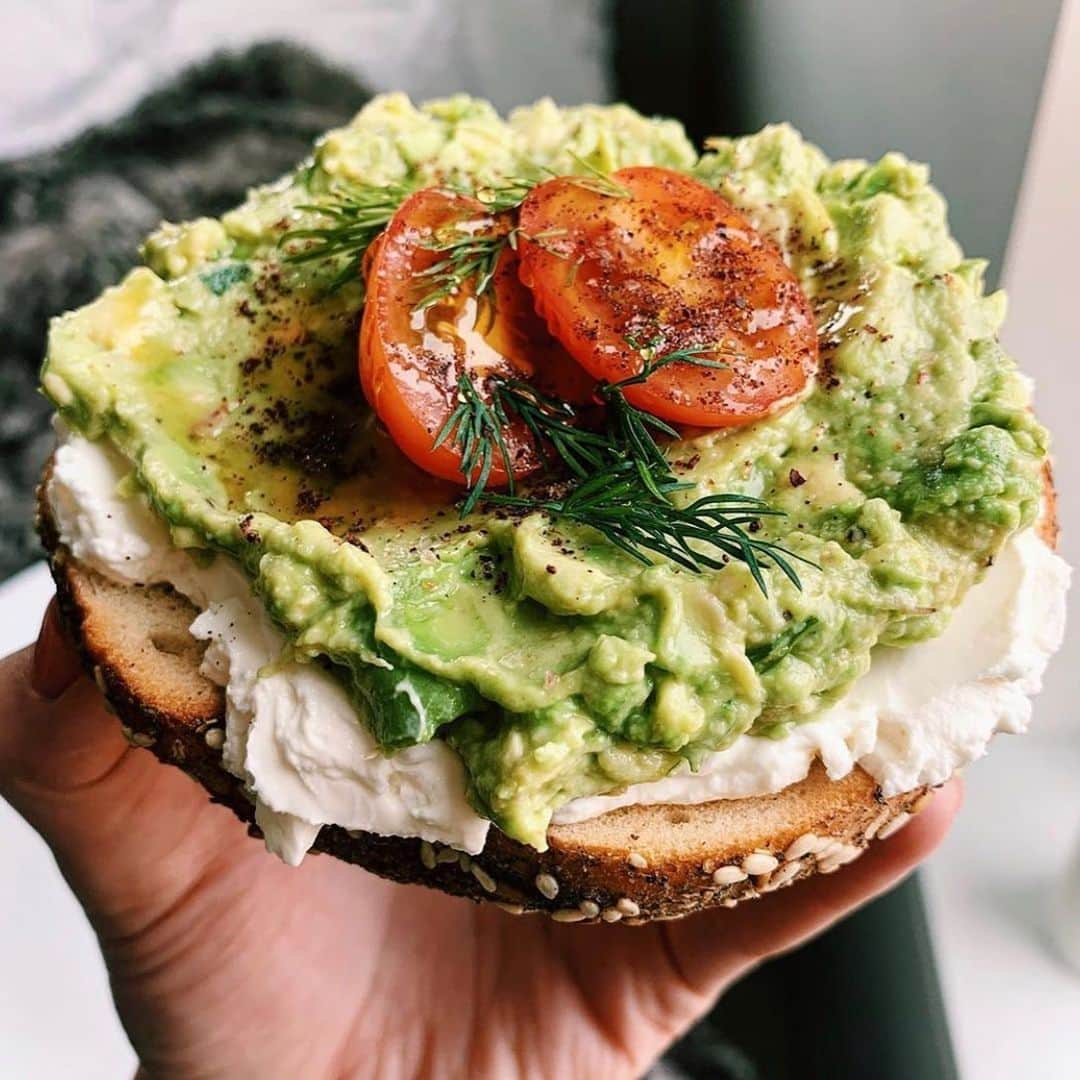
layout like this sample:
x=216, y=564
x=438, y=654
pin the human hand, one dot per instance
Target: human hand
x=224, y=962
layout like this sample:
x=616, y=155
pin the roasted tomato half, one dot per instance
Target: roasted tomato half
x=668, y=266
x=413, y=355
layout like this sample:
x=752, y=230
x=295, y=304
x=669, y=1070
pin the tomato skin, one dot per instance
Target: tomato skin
x=410, y=360
x=678, y=266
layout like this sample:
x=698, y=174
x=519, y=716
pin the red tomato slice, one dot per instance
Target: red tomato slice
x=673, y=266
x=411, y=360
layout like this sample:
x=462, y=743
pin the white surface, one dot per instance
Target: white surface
x=1013, y=1005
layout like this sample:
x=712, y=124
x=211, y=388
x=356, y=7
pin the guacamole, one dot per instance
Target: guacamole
x=556, y=665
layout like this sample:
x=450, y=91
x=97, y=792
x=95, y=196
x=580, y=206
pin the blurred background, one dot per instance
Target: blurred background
x=117, y=113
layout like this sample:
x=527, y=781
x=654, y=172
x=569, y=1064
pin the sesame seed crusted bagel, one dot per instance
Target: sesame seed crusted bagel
x=631, y=865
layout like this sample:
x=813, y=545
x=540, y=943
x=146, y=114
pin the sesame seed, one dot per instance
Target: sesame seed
x=214, y=738
x=876, y=824
x=760, y=862
x=847, y=853
x=99, y=677
x=567, y=915
x=807, y=844
x=487, y=882
x=427, y=855
x=141, y=738
x=547, y=886
x=589, y=908
x=730, y=902
x=708, y=866
x=610, y=914
x=445, y=855
x=637, y=860
x=830, y=849
x=511, y=909
x=728, y=875
x=464, y=861
x=893, y=826
x=627, y=906
x=922, y=802
x=781, y=877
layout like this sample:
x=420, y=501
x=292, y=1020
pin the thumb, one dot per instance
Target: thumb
x=55, y=735
x=129, y=835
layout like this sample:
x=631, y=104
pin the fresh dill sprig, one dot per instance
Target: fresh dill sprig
x=622, y=482
x=653, y=357
x=631, y=429
x=553, y=425
x=598, y=181
x=468, y=256
x=476, y=427
x=357, y=213
x=510, y=192
x=617, y=505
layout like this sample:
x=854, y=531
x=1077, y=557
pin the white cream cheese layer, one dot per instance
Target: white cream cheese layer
x=294, y=737
x=292, y=734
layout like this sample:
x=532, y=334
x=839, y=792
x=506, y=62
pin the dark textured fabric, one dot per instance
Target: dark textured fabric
x=71, y=219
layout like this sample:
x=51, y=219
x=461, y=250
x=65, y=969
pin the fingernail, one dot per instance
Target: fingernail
x=56, y=664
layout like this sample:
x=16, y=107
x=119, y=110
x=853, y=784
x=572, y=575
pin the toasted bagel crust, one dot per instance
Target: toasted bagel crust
x=631, y=865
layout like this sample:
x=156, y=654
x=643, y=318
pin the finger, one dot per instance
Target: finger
x=713, y=948
x=129, y=834
x=56, y=664
x=54, y=733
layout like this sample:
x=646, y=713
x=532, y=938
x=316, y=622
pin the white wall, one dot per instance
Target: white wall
x=955, y=83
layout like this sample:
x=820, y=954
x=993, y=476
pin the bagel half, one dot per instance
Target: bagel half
x=631, y=865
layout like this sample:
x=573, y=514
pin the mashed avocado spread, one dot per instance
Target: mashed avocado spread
x=554, y=664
